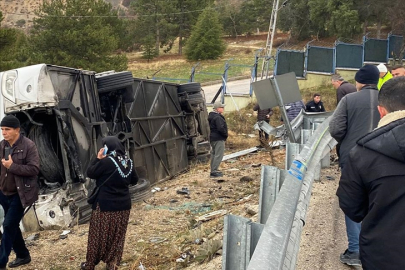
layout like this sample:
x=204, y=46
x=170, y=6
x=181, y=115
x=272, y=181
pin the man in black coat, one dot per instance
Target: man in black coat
x=342, y=87
x=315, y=105
x=355, y=116
x=372, y=186
x=218, y=136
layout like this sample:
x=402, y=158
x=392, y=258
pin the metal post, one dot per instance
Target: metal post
x=283, y=111
x=272, y=29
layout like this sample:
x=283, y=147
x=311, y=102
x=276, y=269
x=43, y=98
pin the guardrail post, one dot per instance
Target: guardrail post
x=305, y=134
x=325, y=161
x=291, y=152
x=269, y=187
x=317, y=174
x=235, y=243
x=254, y=231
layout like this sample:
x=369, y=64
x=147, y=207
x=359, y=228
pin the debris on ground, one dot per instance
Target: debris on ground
x=212, y=215
x=183, y=191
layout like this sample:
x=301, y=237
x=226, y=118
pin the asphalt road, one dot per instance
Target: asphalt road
x=237, y=87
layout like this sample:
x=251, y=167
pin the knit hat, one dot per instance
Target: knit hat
x=218, y=105
x=10, y=121
x=368, y=74
x=382, y=68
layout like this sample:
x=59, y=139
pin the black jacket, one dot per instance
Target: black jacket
x=355, y=116
x=344, y=89
x=262, y=114
x=219, y=129
x=25, y=168
x=314, y=107
x=372, y=190
x=114, y=194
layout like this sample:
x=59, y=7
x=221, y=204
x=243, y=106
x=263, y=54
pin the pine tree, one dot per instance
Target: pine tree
x=205, y=41
x=77, y=33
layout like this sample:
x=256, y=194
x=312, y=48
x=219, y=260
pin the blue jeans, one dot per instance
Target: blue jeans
x=353, y=233
x=12, y=237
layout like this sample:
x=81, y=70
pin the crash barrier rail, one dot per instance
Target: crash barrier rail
x=273, y=242
x=325, y=59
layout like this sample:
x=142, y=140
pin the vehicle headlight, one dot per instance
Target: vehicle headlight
x=8, y=84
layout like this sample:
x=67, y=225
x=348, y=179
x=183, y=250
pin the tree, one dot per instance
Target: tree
x=295, y=17
x=77, y=33
x=344, y=21
x=13, y=48
x=205, y=41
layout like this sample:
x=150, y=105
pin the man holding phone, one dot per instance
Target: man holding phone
x=18, y=188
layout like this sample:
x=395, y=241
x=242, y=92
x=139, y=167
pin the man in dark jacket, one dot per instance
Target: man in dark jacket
x=355, y=116
x=218, y=136
x=315, y=105
x=372, y=186
x=263, y=115
x=342, y=87
x=18, y=188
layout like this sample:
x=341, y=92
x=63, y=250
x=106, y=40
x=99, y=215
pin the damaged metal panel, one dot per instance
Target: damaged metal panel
x=158, y=130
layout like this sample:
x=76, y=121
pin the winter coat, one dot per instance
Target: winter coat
x=382, y=80
x=355, y=116
x=372, y=191
x=25, y=168
x=219, y=129
x=344, y=89
x=114, y=193
x=262, y=114
x=314, y=107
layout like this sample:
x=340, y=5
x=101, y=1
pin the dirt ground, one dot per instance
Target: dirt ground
x=324, y=234
x=163, y=227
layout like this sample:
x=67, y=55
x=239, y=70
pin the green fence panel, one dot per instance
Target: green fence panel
x=320, y=60
x=375, y=50
x=349, y=55
x=290, y=61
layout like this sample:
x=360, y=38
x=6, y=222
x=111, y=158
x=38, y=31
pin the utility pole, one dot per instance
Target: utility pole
x=270, y=36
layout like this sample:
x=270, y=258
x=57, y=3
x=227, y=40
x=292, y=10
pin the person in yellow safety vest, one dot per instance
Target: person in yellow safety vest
x=385, y=75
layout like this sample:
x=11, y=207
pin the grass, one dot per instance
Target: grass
x=169, y=66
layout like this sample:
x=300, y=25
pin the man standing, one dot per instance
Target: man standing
x=342, y=87
x=385, y=75
x=372, y=187
x=355, y=116
x=18, y=188
x=398, y=71
x=218, y=136
x=315, y=105
x=263, y=115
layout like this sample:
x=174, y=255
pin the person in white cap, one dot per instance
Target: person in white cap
x=385, y=75
x=218, y=136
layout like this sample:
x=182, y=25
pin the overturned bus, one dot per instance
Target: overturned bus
x=67, y=112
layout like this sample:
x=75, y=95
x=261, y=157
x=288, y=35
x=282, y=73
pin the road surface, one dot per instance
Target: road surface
x=237, y=87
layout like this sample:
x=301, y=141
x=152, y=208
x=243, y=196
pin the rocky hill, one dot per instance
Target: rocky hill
x=20, y=13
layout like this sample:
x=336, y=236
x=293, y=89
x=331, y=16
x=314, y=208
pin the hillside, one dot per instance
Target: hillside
x=20, y=13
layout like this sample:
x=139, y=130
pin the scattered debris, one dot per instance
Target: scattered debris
x=256, y=165
x=155, y=189
x=157, y=239
x=173, y=201
x=64, y=234
x=183, y=191
x=208, y=250
x=32, y=237
x=220, y=180
x=140, y=267
x=246, y=179
x=211, y=215
x=233, y=170
x=330, y=177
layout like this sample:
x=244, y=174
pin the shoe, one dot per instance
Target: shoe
x=83, y=266
x=216, y=174
x=350, y=258
x=20, y=261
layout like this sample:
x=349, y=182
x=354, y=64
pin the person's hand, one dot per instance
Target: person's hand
x=100, y=154
x=267, y=115
x=7, y=163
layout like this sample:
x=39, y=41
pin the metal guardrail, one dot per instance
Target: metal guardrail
x=282, y=214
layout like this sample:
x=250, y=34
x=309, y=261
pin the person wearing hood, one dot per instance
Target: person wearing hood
x=218, y=136
x=372, y=186
x=355, y=116
x=385, y=75
x=113, y=172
